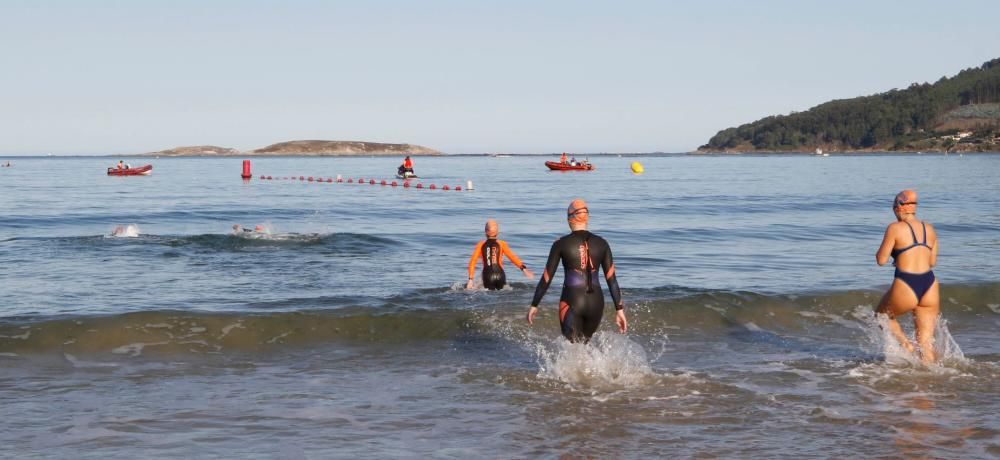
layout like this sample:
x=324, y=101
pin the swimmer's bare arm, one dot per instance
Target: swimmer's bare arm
x=885, y=250
x=543, y=284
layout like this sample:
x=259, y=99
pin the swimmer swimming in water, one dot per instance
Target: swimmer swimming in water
x=238, y=229
x=913, y=245
x=491, y=251
x=581, y=304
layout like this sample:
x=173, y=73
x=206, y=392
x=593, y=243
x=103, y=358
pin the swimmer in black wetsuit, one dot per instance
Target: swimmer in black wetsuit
x=581, y=305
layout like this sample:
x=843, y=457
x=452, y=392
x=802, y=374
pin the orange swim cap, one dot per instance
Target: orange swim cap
x=577, y=212
x=258, y=228
x=905, y=201
x=492, y=228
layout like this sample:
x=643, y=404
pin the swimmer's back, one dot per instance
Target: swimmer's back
x=914, y=246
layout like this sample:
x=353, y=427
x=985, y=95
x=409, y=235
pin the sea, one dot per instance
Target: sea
x=343, y=328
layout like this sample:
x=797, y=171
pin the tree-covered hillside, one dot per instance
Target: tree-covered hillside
x=912, y=118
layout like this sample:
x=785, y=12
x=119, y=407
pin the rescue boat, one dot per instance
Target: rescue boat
x=139, y=171
x=579, y=166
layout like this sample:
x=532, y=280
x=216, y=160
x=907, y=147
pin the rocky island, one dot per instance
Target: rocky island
x=197, y=150
x=304, y=148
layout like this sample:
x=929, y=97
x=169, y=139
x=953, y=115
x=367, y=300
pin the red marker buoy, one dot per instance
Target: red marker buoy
x=393, y=183
x=420, y=185
x=444, y=188
x=406, y=184
x=310, y=178
x=372, y=182
x=383, y=182
x=350, y=181
x=458, y=188
x=246, y=170
x=432, y=187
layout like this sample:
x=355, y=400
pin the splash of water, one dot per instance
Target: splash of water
x=125, y=231
x=881, y=341
x=608, y=362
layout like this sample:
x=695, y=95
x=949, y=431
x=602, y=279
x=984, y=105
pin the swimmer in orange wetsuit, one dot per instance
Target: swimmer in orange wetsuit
x=491, y=251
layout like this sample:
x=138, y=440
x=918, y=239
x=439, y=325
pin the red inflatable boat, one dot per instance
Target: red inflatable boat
x=140, y=171
x=579, y=166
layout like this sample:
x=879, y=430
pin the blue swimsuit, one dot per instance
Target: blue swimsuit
x=919, y=283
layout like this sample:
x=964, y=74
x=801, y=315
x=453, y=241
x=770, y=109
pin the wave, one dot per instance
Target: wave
x=353, y=243
x=816, y=323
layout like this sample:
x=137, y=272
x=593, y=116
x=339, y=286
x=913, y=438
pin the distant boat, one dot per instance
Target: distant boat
x=819, y=151
x=140, y=171
x=578, y=166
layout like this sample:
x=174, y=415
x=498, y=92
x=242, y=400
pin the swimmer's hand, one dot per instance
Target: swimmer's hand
x=532, y=311
x=622, y=322
x=470, y=285
x=528, y=274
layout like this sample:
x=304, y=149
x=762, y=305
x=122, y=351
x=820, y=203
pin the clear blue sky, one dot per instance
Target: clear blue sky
x=100, y=77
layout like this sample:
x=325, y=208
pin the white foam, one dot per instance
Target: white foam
x=83, y=364
x=994, y=307
x=19, y=336
x=230, y=327
x=134, y=349
x=279, y=337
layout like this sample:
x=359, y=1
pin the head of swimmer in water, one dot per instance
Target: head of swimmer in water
x=905, y=203
x=258, y=228
x=577, y=215
x=492, y=229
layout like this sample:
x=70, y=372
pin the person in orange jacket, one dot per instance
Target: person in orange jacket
x=491, y=251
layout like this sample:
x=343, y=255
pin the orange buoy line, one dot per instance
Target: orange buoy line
x=407, y=183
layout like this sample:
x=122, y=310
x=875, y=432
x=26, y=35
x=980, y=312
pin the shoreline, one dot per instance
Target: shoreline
x=446, y=155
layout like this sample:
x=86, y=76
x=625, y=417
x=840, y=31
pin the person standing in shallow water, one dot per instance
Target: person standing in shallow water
x=914, y=246
x=492, y=251
x=581, y=305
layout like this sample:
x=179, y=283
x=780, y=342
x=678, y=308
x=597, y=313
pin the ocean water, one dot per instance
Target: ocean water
x=344, y=329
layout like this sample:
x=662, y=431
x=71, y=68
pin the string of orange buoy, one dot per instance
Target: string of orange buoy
x=406, y=183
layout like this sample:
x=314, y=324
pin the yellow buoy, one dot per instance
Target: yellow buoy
x=637, y=168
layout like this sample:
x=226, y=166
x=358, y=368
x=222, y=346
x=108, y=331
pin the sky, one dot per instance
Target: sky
x=120, y=77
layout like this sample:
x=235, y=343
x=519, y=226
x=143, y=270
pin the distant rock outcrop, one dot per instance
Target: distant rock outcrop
x=320, y=148
x=303, y=148
x=197, y=150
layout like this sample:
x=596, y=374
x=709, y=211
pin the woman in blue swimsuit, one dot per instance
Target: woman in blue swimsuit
x=913, y=245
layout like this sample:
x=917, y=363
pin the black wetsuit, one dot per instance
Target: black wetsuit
x=581, y=305
x=494, y=277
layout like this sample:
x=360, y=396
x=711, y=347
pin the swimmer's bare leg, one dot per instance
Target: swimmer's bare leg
x=894, y=328
x=925, y=319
